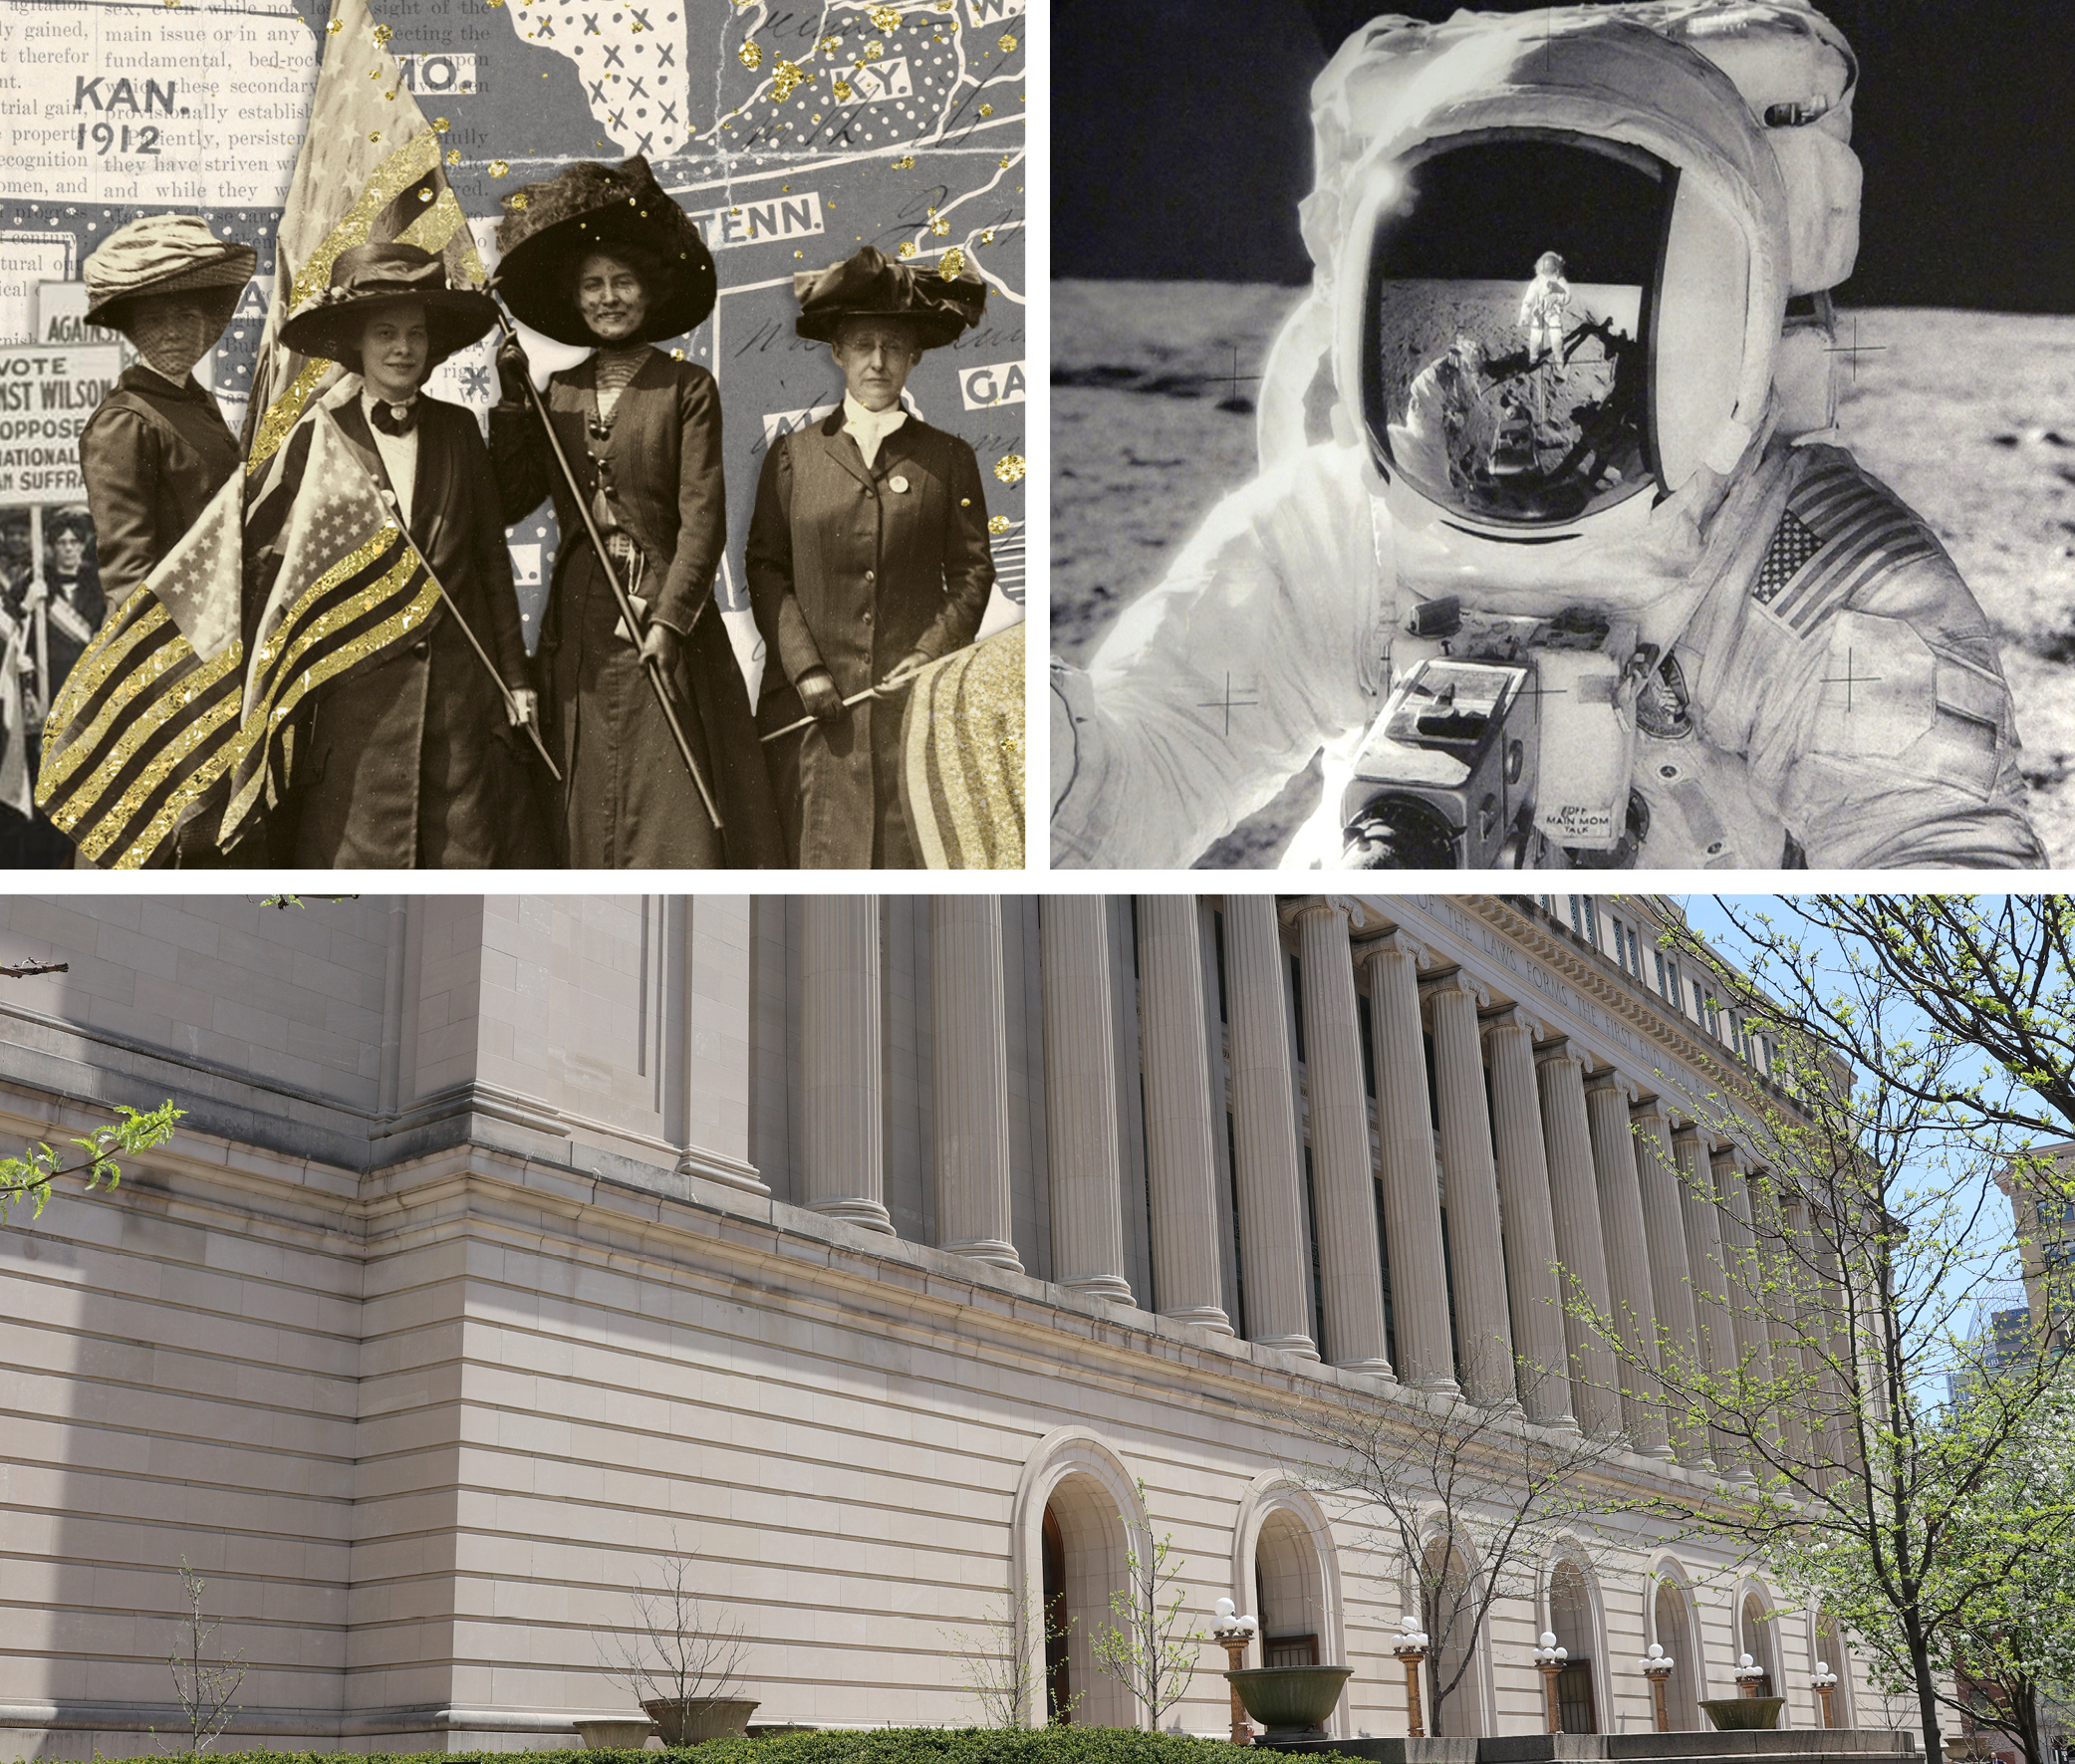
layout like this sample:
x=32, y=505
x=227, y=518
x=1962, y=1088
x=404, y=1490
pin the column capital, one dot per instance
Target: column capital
x=1613, y=1078
x=1512, y=1014
x=1660, y=1106
x=1396, y=940
x=1293, y=908
x=1457, y=980
x=1558, y=1049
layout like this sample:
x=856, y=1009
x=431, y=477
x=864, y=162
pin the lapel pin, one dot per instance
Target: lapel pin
x=899, y=484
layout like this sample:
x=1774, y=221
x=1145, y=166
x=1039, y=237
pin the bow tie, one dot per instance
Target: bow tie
x=394, y=419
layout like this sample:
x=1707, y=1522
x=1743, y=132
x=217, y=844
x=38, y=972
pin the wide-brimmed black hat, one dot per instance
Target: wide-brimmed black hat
x=870, y=285
x=365, y=277
x=549, y=229
x=163, y=254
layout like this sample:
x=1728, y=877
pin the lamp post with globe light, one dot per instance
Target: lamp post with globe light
x=1233, y=1634
x=1411, y=1649
x=1825, y=1682
x=1549, y=1662
x=1749, y=1675
x=1657, y=1667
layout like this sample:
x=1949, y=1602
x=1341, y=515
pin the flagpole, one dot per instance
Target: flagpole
x=650, y=666
x=886, y=688
x=511, y=705
x=40, y=592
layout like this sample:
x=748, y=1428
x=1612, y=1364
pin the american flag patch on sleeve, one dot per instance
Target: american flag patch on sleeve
x=1841, y=530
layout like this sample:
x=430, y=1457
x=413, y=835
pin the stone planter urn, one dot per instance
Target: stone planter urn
x=721, y=1717
x=1291, y=1702
x=614, y=1736
x=1730, y=1713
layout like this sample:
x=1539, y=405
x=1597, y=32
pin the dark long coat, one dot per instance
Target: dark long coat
x=631, y=801
x=852, y=568
x=413, y=763
x=153, y=455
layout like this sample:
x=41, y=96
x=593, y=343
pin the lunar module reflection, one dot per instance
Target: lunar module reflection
x=1534, y=411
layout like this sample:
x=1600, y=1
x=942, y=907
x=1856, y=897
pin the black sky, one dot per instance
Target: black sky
x=1182, y=142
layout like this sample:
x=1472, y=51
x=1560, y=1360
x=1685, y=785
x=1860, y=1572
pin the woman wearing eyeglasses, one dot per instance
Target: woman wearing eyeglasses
x=602, y=256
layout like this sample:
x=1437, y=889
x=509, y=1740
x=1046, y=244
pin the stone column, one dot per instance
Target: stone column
x=1671, y=1275
x=1832, y=1300
x=1081, y=1099
x=1580, y=1251
x=1530, y=1234
x=1180, y=1153
x=1411, y=1185
x=1746, y=1272
x=843, y=1157
x=1700, y=1205
x=1264, y=1130
x=1478, y=1260
x=1777, y=1274
x=1343, y=1189
x=969, y=1063
x=1606, y=1098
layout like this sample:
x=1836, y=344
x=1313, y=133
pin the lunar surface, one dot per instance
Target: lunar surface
x=1969, y=416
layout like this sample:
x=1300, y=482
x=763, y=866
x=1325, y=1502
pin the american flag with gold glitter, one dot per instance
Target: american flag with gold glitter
x=141, y=739
x=341, y=587
x=371, y=168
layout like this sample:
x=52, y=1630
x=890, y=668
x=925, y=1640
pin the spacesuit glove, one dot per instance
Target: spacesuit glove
x=819, y=697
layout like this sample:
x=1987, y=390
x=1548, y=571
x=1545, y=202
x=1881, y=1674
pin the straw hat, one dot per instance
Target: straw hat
x=163, y=254
x=367, y=277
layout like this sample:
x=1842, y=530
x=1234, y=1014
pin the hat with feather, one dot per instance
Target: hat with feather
x=549, y=229
x=869, y=285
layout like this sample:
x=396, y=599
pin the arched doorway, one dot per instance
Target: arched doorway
x=1757, y=1634
x=1287, y=1596
x=1571, y=1621
x=1450, y=1610
x=1082, y=1523
x=1676, y=1633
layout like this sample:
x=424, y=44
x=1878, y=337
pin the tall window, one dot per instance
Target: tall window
x=1664, y=991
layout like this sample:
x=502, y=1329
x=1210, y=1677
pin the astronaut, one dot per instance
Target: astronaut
x=1719, y=643
x=1543, y=305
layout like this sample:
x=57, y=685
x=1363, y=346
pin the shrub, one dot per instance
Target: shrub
x=880, y=1745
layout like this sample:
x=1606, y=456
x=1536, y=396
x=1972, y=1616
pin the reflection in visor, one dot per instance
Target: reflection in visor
x=1510, y=298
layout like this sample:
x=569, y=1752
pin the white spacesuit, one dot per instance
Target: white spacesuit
x=1711, y=639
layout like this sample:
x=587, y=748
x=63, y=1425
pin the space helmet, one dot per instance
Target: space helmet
x=1559, y=255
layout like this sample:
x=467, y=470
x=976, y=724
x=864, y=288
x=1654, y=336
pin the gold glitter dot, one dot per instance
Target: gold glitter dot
x=332, y=29
x=382, y=33
x=497, y=167
x=424, y=195
x=908, y=248
x=518, y=199
x=1009, y=468
x=998, y=523
x=842, y=92
x=751, y=56
x=907, y=162
x=454, y=155
x=939, y=228
x=965, y=502
x=987, y=237
x=1009, y=43
x=953, y=265
x=872, y=51
x=986, y=110
x=439, y=124
x=676, y=354
x=830, y=45
x=785, y=79
x=887, y=18
x=376, y=136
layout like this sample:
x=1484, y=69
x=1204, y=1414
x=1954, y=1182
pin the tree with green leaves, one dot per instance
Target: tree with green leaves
x=1147, y=1644
x=1840, y=1267
x=1472, y=1500
x=30, y=1176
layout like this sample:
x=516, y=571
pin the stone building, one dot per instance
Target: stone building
x=875, y=1248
